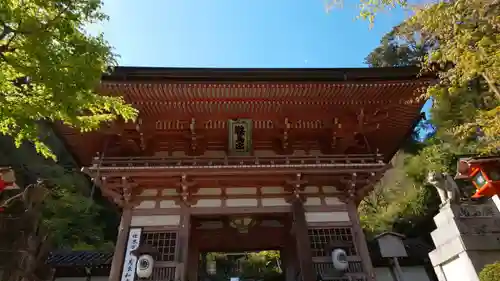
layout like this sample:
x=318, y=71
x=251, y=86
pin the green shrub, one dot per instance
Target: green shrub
x=491, y=272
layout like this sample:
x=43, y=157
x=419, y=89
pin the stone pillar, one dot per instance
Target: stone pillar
x=121, y=244
x=496, y=200
x=360, y=240
x=466, y=239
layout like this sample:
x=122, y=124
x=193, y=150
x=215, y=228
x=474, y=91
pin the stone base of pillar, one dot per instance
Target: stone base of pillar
x=466, y=240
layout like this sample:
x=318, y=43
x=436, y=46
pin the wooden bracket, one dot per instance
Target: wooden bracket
x=336, y=126
x=356, y=139
x=142, y=139
x=350, y=188
x=185, y=190
x=122, y=194
x=192, y=127
x=296, y=187
x=370, y=123
x=286, y=129
x=127, y=191
x=193, y=138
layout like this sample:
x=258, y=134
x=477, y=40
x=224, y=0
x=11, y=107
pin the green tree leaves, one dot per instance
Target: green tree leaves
x=490, y=272
x=74, y=218
x=401, y=47
x=468, y=62
x=71, y=219
x=50, y=69
x=397, y=197
x=458, y=40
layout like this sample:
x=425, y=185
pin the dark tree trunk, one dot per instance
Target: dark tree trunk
x=26, y=243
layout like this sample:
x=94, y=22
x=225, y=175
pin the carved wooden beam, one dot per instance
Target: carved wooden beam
x=370, y=122
x=193, y=138
x=111, y=192
x=142, y=137
x=368, y=186
x=113, y=128
x=349, y=188
x=336, y=126
x=286, y=129
x=123, y=194
x=132, y=145
x=127, y=190
x=282, y=143
x=296, y=187
x=185, y=190
x=347, y=135
x=192, y=129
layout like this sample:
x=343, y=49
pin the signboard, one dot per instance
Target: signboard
x=129, y=264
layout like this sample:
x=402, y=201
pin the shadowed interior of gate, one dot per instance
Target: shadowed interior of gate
x=234, y=233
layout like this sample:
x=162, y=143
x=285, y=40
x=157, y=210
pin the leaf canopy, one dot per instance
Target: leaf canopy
x=50, y=69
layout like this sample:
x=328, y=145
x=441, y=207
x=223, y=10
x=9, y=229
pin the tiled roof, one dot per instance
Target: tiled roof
x=79, y=258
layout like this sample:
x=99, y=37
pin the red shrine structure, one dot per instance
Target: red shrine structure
x=483, y=172
x=233, y=160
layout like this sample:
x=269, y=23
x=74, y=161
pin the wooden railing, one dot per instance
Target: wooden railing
x=351, y=160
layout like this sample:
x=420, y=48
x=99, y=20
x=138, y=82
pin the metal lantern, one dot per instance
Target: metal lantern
x=483, y=172
x=242, y=224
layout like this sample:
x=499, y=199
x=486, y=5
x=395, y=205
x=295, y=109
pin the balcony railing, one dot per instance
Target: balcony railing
x=352, y=160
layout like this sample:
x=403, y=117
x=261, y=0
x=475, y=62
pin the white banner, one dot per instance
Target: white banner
x=129, y=264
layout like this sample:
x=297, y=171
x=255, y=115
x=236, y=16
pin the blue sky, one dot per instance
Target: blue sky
x=241, y=33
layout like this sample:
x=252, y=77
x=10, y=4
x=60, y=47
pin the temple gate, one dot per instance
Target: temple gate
x=240, y=160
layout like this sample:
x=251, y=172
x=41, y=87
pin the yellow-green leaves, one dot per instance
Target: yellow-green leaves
x=458, y=40
x=50, y=69
x=370, y=8
x=466, y=56
x=469, y=38
x=490, y=272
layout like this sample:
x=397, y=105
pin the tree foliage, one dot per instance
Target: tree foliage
x=74, y=218
x=263, y=265
x=490, y=272
x=467, y=57
x=401, y=200
x=369, y=8
x=401, y=47
x=458, y=40
x=465, y=50
x=50, y=69
x=394, y=199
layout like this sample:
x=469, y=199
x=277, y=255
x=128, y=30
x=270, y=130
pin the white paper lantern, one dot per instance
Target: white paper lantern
x=145, y=265
x=339, y=260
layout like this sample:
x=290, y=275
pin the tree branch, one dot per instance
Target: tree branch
x=492, y=85
x=9, y=200
x=57, y=17
x=6, y=30
x=9, y=30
